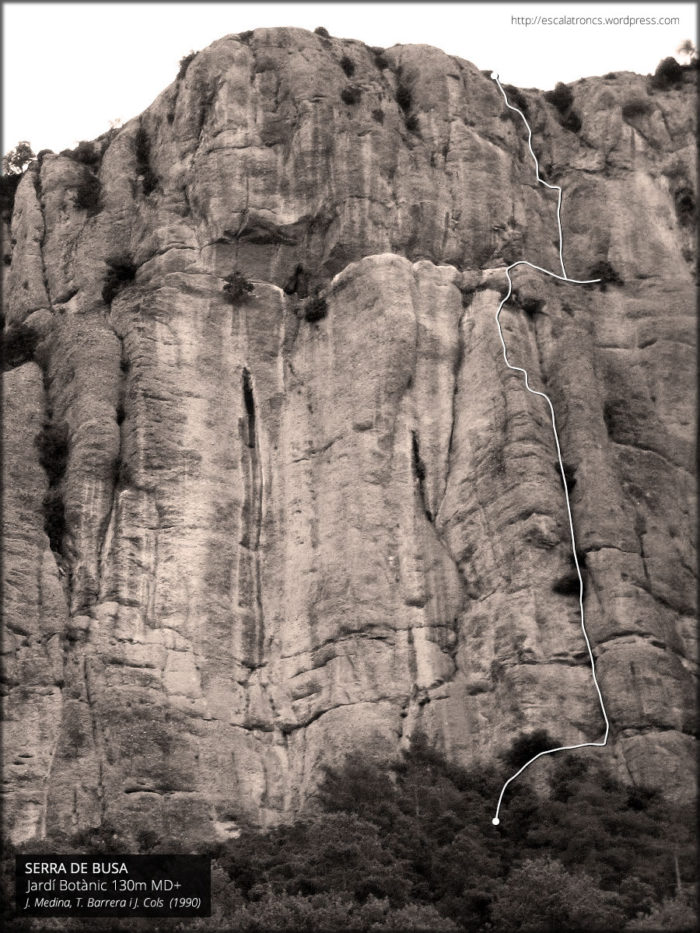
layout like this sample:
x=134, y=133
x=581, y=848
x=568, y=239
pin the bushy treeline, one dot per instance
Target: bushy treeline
x=409, y=845
x=593, y=855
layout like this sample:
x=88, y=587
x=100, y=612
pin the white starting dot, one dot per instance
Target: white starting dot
x=495, y=821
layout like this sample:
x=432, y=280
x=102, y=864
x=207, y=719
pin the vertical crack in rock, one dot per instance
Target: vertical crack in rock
x=144, y=166
x=542, y=369
x=249, y=575
x=249, y=403
x=418, y=468
x=97, y=737
x=120, y=474
x=459, y=360
x=208, y=95
x=40, y=201
x=53, y=444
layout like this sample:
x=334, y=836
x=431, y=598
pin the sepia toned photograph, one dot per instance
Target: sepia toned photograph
x=349, y=413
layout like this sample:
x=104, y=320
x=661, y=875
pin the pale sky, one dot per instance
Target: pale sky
x=70, y=68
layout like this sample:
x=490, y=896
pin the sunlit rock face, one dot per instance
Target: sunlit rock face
x=276, y=540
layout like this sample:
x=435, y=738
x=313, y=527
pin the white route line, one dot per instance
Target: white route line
x=519, y=369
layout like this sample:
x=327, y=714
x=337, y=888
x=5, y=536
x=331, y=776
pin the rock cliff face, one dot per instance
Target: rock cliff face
x=240, y=543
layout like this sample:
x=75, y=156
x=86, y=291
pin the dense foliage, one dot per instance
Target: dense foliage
x=120, y=271
x=315, y=308
x=237, y=287
x=409, y=845
x=605, y=272
x=14, y=164
x=88, y=193
x=185, y=64
x=347, y=65
x=143, y=161
x=351, y=94
x=15, y=161
x=636, y=107
x=668, y=74
x=561, y=97
x=592, y=855
x=17, y=345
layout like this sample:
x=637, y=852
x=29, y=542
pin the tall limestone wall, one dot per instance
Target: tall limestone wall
x=274, y=540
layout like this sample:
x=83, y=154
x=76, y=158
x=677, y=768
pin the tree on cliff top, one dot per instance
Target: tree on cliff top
x=15, y=162
x=687, y=52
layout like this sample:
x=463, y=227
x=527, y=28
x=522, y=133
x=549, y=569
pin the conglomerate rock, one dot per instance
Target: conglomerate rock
x=281, y=539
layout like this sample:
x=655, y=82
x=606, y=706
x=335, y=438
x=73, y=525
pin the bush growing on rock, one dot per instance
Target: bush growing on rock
x=18, y=345
x=404, y=98
x=526, y=746
x=88, y=193
x=684, y=202
x=121, y=473
x=54, y=519
x=668, y=74
x=298, y=282
x=529, y=304
x=237, y=287
x=143, y=161
x=16, y=161
x=572, y=122
x=315, y=309
x=604, y=271
x=567, y=585
x=412, y=124
x=688, y=52
x=468, y=292
x=14, y=165
x=347, y=65
x=85, y=153
x=322, y=31
x=52, y=444
x=185, y=64
x=517, y=99
x=562, y=100
x=351, y=94
x=636, y=107
x=561, y=97
x=53, y=447
x=120, y=271
x=677, y=169
x=8, y=189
